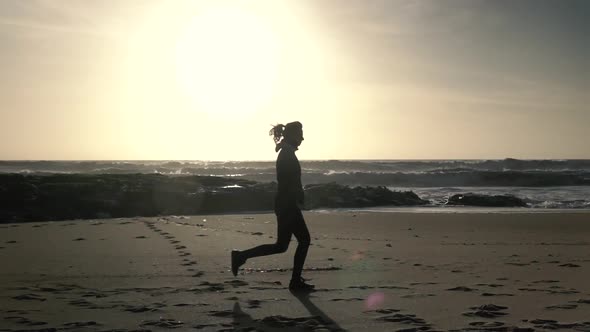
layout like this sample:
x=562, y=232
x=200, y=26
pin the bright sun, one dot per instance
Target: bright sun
x=227, y=60
x=189, y=61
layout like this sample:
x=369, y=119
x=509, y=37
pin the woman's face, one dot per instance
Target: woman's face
x=296, y=138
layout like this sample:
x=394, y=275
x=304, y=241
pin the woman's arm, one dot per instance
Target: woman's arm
x=289, y=178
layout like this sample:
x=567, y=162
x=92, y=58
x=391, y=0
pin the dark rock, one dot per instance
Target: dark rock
x=333, y=195
x=94, y=196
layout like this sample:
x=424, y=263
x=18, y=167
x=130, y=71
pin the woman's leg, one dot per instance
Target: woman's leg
x=281, y=245
x=301, y=232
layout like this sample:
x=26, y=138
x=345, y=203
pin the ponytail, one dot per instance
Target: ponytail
x=277, y=132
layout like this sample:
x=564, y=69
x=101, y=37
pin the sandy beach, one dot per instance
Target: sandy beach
x=373, y=272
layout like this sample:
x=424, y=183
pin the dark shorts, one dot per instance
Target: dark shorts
x=291, y=222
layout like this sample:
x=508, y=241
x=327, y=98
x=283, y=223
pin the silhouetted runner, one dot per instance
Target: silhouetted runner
x=288, y=202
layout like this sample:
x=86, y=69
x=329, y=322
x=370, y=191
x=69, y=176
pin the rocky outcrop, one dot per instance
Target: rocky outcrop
x=333, y=195
x=89, y=196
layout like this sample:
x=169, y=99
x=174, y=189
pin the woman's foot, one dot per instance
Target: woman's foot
x=236, y=261
x=299, y=284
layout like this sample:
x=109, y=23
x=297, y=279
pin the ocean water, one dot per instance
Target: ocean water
x=543, y=184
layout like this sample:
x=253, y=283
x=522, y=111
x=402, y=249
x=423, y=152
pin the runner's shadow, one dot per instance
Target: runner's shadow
x=244, y=322
x=330, y=324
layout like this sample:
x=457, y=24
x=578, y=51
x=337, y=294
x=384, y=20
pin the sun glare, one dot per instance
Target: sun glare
x=227, y=60
x=196, y=62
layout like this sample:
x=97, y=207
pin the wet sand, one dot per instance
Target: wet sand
x=373, y=271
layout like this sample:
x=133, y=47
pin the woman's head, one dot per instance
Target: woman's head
x=292, y=133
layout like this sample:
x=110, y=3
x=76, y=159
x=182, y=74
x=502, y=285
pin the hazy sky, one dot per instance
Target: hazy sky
x=148, y=79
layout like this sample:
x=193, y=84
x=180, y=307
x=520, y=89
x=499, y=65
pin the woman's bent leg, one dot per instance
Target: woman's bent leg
x=282, y=244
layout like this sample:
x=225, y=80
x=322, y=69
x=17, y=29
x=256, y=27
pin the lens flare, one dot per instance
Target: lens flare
x=374, y=300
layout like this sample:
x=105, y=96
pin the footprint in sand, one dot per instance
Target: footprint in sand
x=491, y=285
x=491, y=326
x=306, y=323
x=163, y=322
x=24, y=321
x=81, y=324
x=413, y=296
x=562, y=306
x=392, y=287
x=202, y=326
x=517, y=264
x=236, y=283
x=144, y=308
x=406, y=319
x=569, y=265
x=33, y=297
x=212, y=287
x=348, y=300
x=11, y=241
x=178, y=247
x=252, y=304
x=225, y=313
x=545, y=281
x=20, y=312
x=362, y=287
x=462, y=289
x=486, y=311
x=423, y=283
x=527, y=289
x=563, y=291
x=79, y=239
x=141, y=237
x=191, y=305
x=496, y=294
x=86, y=304
x=551, y=324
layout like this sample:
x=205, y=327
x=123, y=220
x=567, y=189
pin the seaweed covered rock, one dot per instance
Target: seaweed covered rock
x=470, y=199
x=89, y=196
x=84, y=196
x=333, y=195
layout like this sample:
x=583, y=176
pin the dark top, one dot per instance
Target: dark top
x=290, y=189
